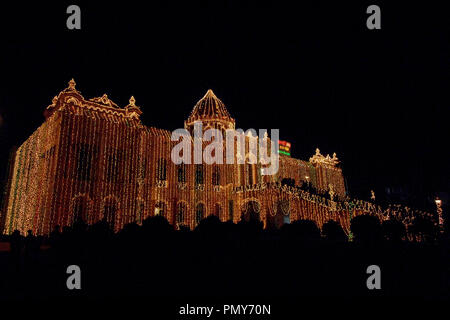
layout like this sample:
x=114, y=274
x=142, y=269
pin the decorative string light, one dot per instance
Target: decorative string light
x=92, y=160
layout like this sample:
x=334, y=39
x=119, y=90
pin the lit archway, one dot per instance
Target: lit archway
x=251, y=209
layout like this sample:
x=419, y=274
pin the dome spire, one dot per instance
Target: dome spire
x=132, y=109
x=72, y=84
x=212, y=112
x=132, y=101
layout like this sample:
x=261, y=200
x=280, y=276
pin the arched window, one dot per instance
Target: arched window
x=216, y=176
x=181, y=213
x=85, y=165
x=251, y=210
x=84, y=162
x=217, y=210
x=161, y=171
x=114, y=164
x=199, y=212
x=199, y=172
x=283, y=209
x=181, y=172
x=161, y=209
x=80, y=209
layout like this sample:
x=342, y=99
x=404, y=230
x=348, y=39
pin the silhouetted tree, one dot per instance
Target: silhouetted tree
x=303, y=230
x=366, y=229
x=393, y=230
x=209, y=226
x=423, y=229
x=333, y=231
x=156, y=225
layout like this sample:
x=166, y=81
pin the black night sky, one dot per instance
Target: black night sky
x=375, y=97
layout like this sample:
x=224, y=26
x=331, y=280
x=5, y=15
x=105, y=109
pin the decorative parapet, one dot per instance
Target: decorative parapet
x=328, y=161
x=253, y=187
x=71, y=95
x=348, y=205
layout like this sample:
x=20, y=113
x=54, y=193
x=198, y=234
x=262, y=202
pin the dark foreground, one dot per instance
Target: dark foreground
x=224, y=259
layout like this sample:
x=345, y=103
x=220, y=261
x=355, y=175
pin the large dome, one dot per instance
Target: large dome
x=212, y=112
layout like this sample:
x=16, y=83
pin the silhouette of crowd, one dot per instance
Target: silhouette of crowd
x=223, y=258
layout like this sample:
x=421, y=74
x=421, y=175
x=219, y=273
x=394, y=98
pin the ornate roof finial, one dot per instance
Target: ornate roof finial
x=132, y=101
x=132, y=109
x=326, y=160
x=72, y=84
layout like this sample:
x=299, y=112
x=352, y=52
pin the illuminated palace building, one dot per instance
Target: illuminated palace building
x=92, y=160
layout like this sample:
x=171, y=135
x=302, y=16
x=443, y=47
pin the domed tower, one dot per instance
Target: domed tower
x=211, y=112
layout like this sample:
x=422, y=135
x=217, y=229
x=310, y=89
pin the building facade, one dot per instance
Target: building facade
x=93, y=160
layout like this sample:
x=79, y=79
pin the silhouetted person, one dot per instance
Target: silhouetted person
x=332, y=231
x=16, y=243
x=156, y=226
x=209, y=226
x=31, y=246
x=79, y=227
